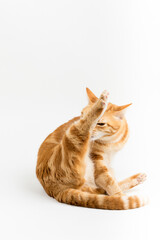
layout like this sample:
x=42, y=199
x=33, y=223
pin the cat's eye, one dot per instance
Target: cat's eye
x=101, y=124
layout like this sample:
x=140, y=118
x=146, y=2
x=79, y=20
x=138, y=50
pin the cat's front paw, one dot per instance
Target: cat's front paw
x=98, y=108
x=103, y=100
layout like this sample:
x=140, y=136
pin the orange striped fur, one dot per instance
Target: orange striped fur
x=73, y=162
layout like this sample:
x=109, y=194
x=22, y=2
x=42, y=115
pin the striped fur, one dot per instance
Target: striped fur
x=85, y=199
x=73, y=162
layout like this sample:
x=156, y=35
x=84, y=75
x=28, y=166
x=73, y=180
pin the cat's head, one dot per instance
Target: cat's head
x=111, y=124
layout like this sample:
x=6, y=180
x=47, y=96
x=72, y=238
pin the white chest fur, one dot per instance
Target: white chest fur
x=89, y=173
x=108, y=157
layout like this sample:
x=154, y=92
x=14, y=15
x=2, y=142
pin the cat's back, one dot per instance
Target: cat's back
x=52, y=141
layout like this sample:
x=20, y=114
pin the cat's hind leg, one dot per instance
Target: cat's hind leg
x=132, y=181
x=88, y=189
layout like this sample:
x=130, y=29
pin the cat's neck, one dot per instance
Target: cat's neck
x=108, y=158
x=101, y=148
x=107, y=149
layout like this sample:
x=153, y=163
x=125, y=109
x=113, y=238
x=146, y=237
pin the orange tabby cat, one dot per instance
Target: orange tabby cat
x=73, y=163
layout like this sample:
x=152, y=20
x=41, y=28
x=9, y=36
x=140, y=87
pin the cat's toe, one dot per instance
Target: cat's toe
x=104, y=98
x=141, y=178
x=104, y=95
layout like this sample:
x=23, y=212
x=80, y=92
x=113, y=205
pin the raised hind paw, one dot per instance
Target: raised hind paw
x=132, y=181
x=141, y=177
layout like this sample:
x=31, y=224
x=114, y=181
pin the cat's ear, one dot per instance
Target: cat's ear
x=91, y=97
x=121, y=110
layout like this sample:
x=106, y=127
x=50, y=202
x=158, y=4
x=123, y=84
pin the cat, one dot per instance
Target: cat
x=74, y=162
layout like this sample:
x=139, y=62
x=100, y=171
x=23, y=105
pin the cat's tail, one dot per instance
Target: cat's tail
x=85, y=199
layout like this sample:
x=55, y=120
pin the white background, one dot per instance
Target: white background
x=49, y=52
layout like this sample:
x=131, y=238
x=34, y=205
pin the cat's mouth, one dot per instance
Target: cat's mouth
x=93, y=138
x=97, y=136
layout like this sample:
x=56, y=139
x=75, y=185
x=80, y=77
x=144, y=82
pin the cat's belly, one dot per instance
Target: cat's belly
x=89, y=173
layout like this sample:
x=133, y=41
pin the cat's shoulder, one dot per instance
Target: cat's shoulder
x=58, y=133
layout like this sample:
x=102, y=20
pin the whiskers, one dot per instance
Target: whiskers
x=111, y=131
